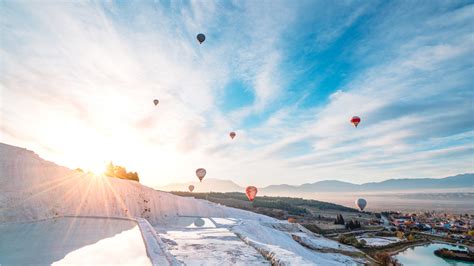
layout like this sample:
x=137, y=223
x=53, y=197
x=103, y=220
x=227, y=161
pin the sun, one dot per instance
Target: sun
x=97, y=168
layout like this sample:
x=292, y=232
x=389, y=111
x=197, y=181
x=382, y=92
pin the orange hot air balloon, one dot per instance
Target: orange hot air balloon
x=232, y=135
x=191, y=188
x=200, y=173
x=251, y=192
x=155, y=101
x=355, y=120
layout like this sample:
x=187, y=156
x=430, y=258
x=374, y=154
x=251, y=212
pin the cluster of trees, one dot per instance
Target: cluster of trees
x=120, y=172
x=353, y=224
x=352, y=240
x=386, y=259
x=293, y=206
x=280, y=205
x=291, y=201
x=458, y=255
x=296, y=205
x=229, y=195
x=311, y=203
x=400, y=235
x=339, y=220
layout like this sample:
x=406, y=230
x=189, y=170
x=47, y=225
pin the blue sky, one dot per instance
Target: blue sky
x=77, y=83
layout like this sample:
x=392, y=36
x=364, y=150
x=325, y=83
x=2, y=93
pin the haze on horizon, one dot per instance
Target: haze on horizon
x=77, y=83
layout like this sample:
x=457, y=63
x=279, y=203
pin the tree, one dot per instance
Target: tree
x=353, y=224
x=386, y=260
x=359, y=244
x=400, y=234
x=357, y=224
x=339, y=220
x=110, y=170
x=120, y=172
x=133, y=176
x=342, y=239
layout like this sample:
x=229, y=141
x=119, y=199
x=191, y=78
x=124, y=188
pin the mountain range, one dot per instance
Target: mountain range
x=461, y=181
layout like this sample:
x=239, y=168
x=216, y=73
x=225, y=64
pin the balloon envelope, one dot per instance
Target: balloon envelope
x=355, y=120
x=232, y=135
x=201, y=37
x=201, y=173
x=155, y=101
x=191, y=188
x=361, y=203
x=199, y=222
x=251, y=192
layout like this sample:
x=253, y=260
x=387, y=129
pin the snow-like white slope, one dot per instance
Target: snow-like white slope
x=379, y=241
x=276, y=242
x=210, y=246
x=32, y=189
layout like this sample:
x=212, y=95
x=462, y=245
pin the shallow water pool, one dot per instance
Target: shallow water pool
x=424, y=255
x=84, y=241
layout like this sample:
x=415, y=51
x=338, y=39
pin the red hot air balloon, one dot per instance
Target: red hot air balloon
x=200, y=173
x=251, y=192
x=355, y=120
x=191, y=188
x=155, y=101
x=232, y=135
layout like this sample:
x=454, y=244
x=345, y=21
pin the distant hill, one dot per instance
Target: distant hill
x=207, y=185
x=216, y=185
x=458, y=181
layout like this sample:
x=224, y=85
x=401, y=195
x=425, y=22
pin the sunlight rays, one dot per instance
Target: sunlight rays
x=79, y=207
x=118, y=198
x=58, y=182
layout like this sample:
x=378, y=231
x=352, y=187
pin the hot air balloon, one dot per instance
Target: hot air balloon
x=155, y=101
x=200, y=173
x=355, y=120
x=201, y=38
x=199, y=222
x=191, y=188
x=361, y=203
x=251, y=192
x=232, y=135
